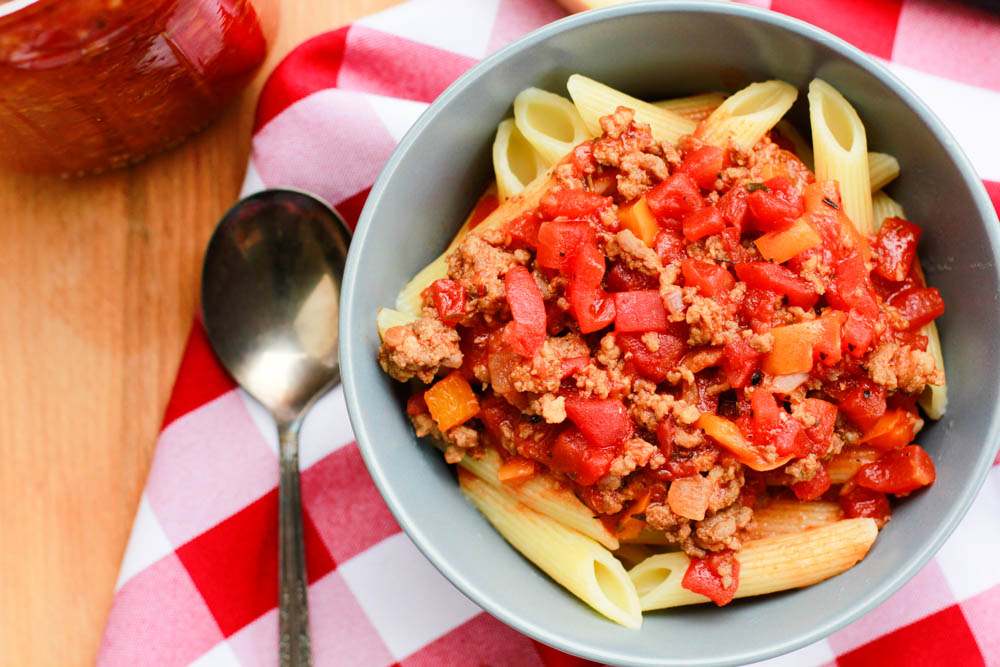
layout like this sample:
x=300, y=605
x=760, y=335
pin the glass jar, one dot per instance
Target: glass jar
x=88, y=85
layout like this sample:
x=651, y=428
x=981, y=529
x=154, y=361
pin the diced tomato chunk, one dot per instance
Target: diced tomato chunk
x=777, y=278
x=604, y=421
x=571, y=203
x=861, y=502
x=710, y=279
x=486, y=205
x=773, y=426
x=416, y=405
x=622, y=278
x=652, y=365
x=640, y=310
x=820, y=433
x=898, y=471
x=733, y=206
x=703, y=222
x=573, y=365
x=576, y=456
x=918, y=305
x=813, y=488
x=526, y=332
x=894, y=248
x=449, y=299
x=674, y=198
x=524, y=228
x=558, y=242
x=716, y=576
x=739, y=361
x=758, y=308
x=863, y=403
x=852, y=288
x=858, y=333
x=669, y=246
x=770, y=212
x=592, y=307
x=665, y=436
x=703, y=166
x=787, y=191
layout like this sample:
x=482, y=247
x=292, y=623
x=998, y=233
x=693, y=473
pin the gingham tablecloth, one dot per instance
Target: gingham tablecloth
x=198, y=584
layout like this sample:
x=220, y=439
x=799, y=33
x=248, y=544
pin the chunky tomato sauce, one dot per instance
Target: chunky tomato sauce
x=679, y=334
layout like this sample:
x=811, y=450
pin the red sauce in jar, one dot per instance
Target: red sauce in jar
x=87, y=85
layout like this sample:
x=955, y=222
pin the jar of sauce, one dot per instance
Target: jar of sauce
x=88, y=85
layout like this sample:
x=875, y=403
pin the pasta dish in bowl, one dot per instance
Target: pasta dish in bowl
x=676, y=351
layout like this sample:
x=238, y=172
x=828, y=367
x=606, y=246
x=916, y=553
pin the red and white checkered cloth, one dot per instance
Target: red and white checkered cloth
x=198, y=583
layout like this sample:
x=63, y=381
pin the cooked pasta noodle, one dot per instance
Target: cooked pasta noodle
x=594, y=100
x=549, y=122
x=693, y=107
x=515, y=161
x=767, y=565
x=841, y=149
x=748, y=114
x=578, y=563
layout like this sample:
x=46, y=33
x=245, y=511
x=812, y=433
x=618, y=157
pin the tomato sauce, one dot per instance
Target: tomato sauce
x=95, y=84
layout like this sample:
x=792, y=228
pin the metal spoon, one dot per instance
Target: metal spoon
x=270, y=291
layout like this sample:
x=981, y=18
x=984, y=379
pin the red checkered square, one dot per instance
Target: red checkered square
x=483, y=640
x=377, y=62
x=925, y=593
x=869, y=25
x=158, y=618
x=993, y=190
x=350, y=514
x=950, y=39
x=982, y=613
x=235, y=564
x=200, y=378
x=209, y=464
x=943, y=638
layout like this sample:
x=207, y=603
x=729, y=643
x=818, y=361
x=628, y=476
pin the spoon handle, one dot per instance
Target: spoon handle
x=294, y=648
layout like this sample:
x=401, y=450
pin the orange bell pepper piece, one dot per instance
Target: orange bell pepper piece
x=796, y=345
x=781, y=246
x=893, y=430
x=451, y=401
x=728, y=434
x=629, y=526
x=638, y=219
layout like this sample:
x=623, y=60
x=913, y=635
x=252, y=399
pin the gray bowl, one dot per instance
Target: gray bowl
x=653, y=51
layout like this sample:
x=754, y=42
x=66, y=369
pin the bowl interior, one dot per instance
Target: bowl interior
x=676, y=48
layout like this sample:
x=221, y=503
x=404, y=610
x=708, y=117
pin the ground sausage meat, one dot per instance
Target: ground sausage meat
x=419, y=349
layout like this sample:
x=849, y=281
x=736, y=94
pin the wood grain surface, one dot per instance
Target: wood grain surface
x=98, y=286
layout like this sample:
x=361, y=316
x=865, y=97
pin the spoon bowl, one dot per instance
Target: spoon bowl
x=270, y=296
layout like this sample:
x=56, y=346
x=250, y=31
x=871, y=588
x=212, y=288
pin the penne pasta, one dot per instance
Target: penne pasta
x=576, y=562
x=593, y=100
x=515, y=161
x=545, y=494
x=882, y=170
x=549, y=122
x=693, y=107
x=390, y=317
x=748, y=114
x=767, y=565
x=784, y=516
x=934, y=400
x=884, y=206
x=841, y=150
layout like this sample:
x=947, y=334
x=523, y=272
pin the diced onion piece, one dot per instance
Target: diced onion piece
x=786, y=384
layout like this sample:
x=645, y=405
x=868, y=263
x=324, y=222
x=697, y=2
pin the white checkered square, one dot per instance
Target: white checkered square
x=409, y=602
